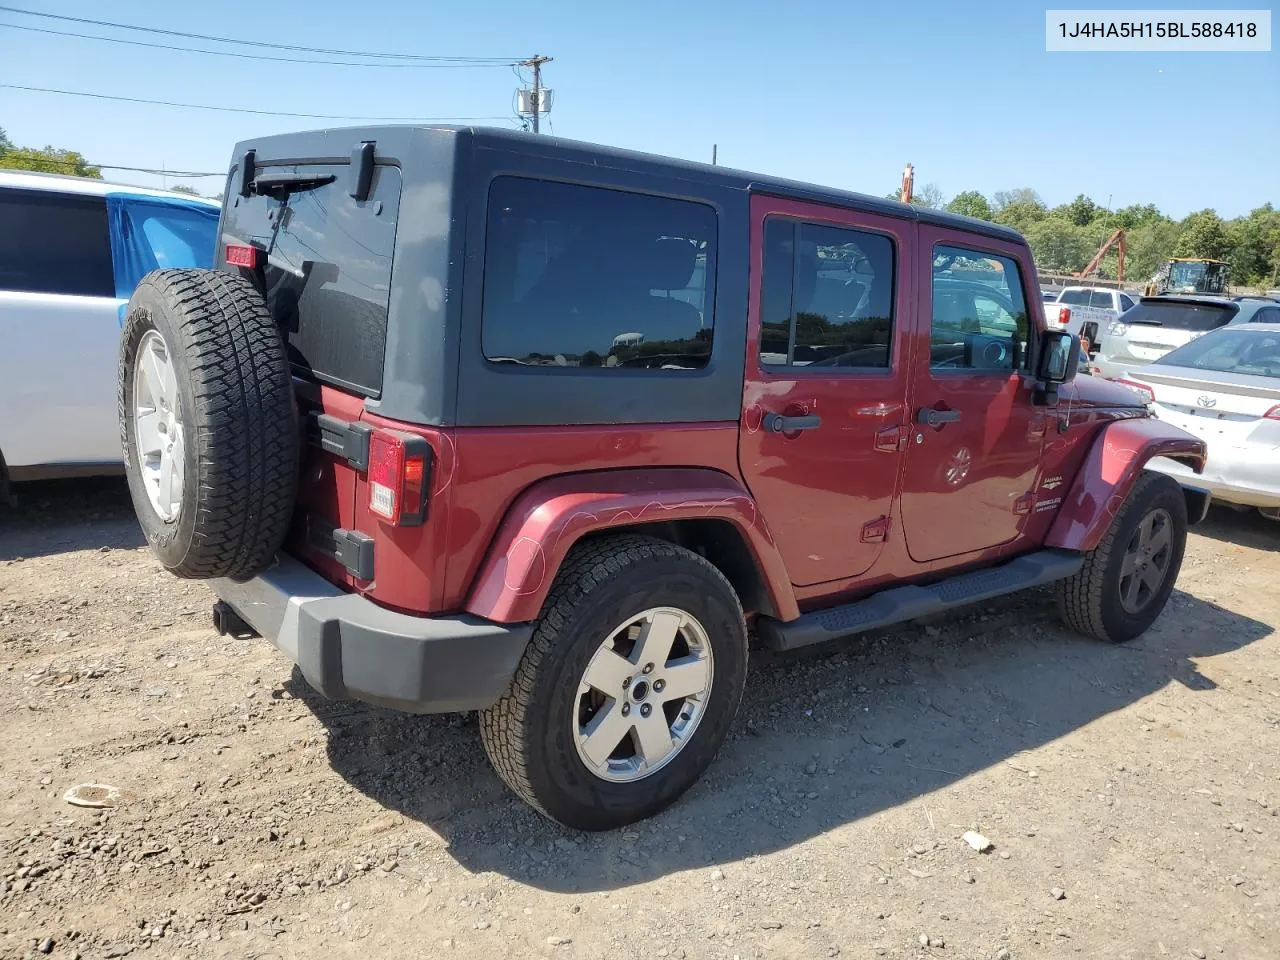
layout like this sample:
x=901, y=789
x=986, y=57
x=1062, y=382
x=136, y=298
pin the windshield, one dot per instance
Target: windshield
x=1196, y=317
x=1197, y=277
x=1239, y=350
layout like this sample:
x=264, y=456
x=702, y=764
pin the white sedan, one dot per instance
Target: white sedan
x=1224, y=387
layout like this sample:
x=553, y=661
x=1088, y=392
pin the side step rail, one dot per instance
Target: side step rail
x=907, y=603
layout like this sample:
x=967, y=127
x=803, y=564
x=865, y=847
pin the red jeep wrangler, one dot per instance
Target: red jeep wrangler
x=476, y=420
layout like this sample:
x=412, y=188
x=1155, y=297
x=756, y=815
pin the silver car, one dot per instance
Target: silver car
x=1156, y=325
x=1224, y=387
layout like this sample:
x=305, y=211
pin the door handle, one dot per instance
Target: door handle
x=777, y=423
x=930, y=417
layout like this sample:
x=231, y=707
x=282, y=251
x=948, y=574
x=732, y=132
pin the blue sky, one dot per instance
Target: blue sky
x=841, y=94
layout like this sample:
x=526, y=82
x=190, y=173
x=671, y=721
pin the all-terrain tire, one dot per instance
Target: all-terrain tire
x=238, y=416
x=529, y=733
x=1089, y=602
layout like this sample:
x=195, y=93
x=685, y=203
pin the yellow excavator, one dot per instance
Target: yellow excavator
x=1188, y=275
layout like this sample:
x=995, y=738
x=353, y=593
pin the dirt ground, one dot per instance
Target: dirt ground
x=1131, y=793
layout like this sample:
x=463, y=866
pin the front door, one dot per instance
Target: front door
x=974, y=453
x=824, y=409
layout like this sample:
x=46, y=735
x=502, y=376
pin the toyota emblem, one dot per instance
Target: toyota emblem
x=1205, y=401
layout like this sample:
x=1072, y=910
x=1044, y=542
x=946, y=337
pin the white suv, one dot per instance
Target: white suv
x=71, y=252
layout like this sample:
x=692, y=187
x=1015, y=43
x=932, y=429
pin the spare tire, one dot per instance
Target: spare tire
x=207, y=423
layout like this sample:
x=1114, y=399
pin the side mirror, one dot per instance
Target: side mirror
x=1059, y=357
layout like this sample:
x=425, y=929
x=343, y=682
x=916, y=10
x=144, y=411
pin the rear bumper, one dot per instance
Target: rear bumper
x=1220, y=482
x=348, y=647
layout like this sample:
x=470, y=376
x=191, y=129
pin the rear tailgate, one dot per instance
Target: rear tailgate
x=323, y=260
x=337, y=530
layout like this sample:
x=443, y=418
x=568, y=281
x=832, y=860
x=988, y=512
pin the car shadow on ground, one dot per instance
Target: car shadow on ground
x=1244, y=528
x=59, y=516
x=825, y=737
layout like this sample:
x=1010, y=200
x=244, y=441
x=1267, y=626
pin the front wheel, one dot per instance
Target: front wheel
x=627, y=688
x=1125, y=581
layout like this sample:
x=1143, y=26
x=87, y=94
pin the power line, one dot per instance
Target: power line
x=43, y=163
x=264, y=113
x=251, y=56
x=256, y=43
x=59, y=162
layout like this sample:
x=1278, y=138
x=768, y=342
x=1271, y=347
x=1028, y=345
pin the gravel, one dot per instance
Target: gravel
x=283, y=824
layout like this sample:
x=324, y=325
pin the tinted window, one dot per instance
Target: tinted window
x=1102, y=298
x=328, y=273
x=586, y=277
x=1126, y=303
x=54, y=243
x=1197, y=317
x=1267, y=315
x=1078, y=298
x=979, y=319
x=1237, y=350
x=827, y=298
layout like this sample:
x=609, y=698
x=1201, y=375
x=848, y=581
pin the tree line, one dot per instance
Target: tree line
x=1066, y=237
x=56, y=160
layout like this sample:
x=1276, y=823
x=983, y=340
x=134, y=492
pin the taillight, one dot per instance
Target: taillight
x=1064, y=316
x=1141, y=388
x=242, y=255
x=1272, y=414
x=399, y=476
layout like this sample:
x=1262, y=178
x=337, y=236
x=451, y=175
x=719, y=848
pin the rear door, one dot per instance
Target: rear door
x=59, y=330
x=325, y=267
x=974, y=455
x=824, y=411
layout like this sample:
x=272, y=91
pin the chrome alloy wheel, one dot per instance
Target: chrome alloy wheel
x=159, y=436
x=642, y=695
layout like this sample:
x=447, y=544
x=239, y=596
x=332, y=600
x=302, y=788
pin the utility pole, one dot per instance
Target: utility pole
x=714, y=147
x=535, y=63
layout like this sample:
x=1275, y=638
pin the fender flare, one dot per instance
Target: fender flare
x=550, y=516
x=1120, y=452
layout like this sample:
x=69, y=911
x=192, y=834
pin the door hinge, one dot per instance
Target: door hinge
x=351, y=548
x=340, y=437
x=876, y=531
x=891, y=439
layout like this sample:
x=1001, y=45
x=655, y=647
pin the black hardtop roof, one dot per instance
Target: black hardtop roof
x=306, y=144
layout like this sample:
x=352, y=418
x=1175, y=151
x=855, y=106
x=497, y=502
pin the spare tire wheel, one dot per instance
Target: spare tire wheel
x=207, y=423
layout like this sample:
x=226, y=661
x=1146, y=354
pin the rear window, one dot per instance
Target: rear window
x=1101, y=298
x=55, y=243
x=1195, y=317
x=1079, y=298
x=581, y=276
x=328, y=273
x=1238, y=350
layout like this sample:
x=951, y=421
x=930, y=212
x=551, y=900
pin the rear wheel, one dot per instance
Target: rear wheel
x=207, y=423
x=628, y=687
x=1126, y=580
